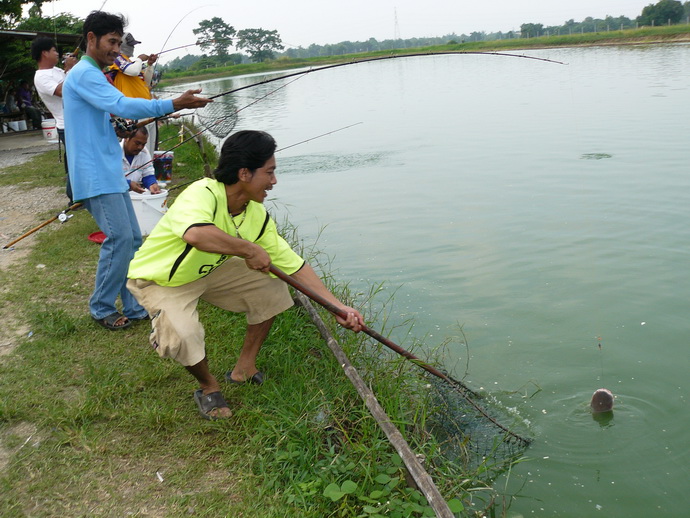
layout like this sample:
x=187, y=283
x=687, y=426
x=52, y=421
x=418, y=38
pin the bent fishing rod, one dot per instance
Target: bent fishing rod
x=63, y=217
x=383, y=58
x=462, y=388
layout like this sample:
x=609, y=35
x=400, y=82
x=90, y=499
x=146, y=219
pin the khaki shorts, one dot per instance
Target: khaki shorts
x=176, y=330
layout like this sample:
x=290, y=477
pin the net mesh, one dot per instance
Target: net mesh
x=218, y=118
x=473, y=429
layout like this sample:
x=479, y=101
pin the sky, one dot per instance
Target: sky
x=303, y=22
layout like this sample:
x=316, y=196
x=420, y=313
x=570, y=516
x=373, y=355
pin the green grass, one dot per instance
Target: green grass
x=94, y=423
x=41, y=171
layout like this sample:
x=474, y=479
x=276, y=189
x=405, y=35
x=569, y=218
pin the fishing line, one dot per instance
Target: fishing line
x=221, y=119
x=173, y=30
x=193, y=44
x=601, y=359
x=81, y=40
x=314, y=138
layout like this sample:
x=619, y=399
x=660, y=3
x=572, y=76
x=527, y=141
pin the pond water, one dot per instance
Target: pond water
x=542, y=208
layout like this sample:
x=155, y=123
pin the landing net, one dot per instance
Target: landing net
x=472, y=429
x=218, y=118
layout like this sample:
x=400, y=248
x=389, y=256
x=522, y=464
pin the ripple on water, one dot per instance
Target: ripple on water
x=595, y=156
x=331, y=163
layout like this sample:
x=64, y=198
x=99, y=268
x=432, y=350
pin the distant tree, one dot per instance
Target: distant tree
x=10, y=12
x=64, y=23
x=662, y=13
x=531, y=30
x=259, y=43
x=216, y=35
x=15, y=54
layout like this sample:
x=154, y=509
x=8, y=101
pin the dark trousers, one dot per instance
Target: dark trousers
x=68, y=187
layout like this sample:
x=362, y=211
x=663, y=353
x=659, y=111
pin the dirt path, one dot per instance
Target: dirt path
x=20, y=210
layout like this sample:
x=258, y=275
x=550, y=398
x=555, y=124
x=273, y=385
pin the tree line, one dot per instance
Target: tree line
x=216, y=37
x=662, y=13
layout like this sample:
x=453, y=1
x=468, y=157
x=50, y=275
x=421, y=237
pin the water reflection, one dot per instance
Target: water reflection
x=605, y=419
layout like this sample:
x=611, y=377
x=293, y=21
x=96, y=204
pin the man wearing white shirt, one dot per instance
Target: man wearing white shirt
x=137, y=163
x=48, y=81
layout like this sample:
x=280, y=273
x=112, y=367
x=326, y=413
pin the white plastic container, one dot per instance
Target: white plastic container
x=149, y=209
x=49, y=130
x=22, y=125
x=13, y=125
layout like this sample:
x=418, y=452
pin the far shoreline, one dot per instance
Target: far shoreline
x=651, y=36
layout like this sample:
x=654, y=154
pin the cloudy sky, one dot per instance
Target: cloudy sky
x=303, y=22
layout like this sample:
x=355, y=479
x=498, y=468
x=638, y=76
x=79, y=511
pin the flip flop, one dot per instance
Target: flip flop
x=257, y=379
x=208, y=403
x=110, y=321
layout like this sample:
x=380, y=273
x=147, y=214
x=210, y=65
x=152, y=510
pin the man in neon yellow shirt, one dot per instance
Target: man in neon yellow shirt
x=216, y=243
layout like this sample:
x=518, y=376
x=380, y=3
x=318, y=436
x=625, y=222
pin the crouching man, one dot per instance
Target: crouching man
x=216, y=243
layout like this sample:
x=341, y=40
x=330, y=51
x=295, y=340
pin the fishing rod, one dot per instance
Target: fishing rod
x=382, y=58
x=463, y=389
x=62, y=216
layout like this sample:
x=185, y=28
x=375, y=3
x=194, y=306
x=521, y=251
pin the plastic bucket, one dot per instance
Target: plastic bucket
x=162, y=165
x=149, y=209
x=49, y=130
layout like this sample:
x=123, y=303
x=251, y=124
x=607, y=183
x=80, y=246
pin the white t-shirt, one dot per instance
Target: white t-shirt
x=46, y=81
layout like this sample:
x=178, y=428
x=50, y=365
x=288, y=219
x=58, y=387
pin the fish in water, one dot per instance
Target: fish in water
x=602, y=401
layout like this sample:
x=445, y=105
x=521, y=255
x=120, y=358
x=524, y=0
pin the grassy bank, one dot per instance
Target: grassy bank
x=670, y=34
x=93, y=423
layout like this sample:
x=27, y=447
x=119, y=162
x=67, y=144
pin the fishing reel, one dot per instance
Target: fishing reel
x=123, y=127
x=63, y=216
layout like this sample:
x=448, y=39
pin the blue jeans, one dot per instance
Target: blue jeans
x=116, y=219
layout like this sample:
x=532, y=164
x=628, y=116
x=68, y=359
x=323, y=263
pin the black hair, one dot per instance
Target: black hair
x=39, y=45
x=143, y=131
x=102, y=23
x=245, y=149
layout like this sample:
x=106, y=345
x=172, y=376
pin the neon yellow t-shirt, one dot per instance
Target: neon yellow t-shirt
x=166, y=259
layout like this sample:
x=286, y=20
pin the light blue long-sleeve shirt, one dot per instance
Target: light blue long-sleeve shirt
x=94, y=155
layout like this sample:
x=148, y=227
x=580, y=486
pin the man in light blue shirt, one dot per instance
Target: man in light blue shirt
x=95, y=165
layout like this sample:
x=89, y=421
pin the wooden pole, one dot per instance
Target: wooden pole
x=421, y=477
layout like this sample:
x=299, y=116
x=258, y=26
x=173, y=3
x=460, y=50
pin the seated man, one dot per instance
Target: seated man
x=26, y=103
x=217, y=243
x=137, y=164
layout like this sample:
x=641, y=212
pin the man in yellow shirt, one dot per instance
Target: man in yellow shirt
x=216, y=243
